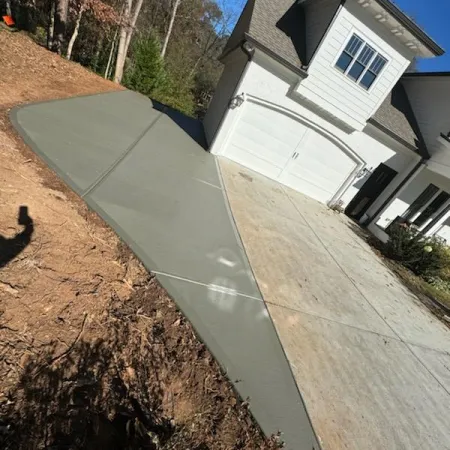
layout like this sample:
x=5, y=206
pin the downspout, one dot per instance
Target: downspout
x=414, y=170
x=249, y=51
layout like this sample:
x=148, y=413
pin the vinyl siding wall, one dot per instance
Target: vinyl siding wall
x=334, y=91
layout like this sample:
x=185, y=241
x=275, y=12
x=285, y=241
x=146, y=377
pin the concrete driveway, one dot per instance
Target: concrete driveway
x=142, y=168
x=370, y=360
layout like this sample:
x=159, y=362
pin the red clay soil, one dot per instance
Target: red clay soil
x=93, y=352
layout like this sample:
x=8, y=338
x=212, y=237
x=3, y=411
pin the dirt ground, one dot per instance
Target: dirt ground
x=93, y=353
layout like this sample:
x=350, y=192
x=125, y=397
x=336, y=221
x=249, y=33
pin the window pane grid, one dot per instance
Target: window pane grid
x=353, y=45
x=360, y=62
x=377, y=64
x=366, y=55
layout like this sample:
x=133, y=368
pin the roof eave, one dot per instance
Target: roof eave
x=420, y=150
x=413, y=28
x=425, y=74
x=298, y=70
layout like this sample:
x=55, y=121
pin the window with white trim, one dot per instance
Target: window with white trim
x=425, y=207
x=360, y=62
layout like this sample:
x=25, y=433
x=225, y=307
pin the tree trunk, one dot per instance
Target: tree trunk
x=98, y=49
x=111, y=53
x=136, y=12
x=120, y=61
x=169, y=30
x=61, y=12
x=8, y=8
x=75, y=33
x=51, y=25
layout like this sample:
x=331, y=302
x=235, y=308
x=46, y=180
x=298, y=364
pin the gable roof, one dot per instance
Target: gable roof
x=278, y=27
x=411, y=26
x=396, y=118
x=269, y=24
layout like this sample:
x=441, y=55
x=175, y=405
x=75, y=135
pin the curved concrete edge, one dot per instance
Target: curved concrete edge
x=207, y=336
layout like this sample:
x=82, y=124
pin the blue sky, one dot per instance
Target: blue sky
x=431, y=15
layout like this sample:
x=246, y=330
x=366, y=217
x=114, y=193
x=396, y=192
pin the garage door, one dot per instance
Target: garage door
x=283, y=149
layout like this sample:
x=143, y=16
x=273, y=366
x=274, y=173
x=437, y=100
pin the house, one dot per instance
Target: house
x=315, y=94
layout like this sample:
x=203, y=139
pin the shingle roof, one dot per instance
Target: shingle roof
x=395, y=116
x=271, y=26
x=277, y=26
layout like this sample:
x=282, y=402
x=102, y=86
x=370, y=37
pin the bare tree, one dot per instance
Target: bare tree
x=127, y=27
x=51, y=25
x=75, y=31
x=137, y=10
x=120, y=61
x=111, y=54
x=104, y=14
x=61, y=13
x=170, y=28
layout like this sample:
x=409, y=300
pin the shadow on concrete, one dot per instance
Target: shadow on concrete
x=10, y=248
x=193, y=127
x=363, y=233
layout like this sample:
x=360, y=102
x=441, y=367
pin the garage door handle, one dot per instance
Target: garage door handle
x=295, y=155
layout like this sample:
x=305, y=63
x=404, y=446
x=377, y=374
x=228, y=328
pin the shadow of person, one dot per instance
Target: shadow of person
x=11, y=247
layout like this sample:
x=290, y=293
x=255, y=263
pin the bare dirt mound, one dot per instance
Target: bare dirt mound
x=93, y=353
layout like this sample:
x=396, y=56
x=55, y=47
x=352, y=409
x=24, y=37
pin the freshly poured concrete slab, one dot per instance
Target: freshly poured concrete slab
x=169, y=205
x=143, y=169
x=232, y=325
x=82, y=137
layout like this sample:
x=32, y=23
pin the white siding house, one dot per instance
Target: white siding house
x=328, y=88
x=323, y=112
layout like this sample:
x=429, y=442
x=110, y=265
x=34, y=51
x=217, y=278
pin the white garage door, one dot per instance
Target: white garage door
x=282, y=148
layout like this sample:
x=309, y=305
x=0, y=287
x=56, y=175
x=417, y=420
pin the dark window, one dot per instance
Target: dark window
x=355, y=72
x=420, y=201
x=433, y=207
x=343, y=62
x=360, y=62
x=372, y=72
x=349, y=53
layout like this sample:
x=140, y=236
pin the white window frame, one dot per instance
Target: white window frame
x=425, y=206
x=377, y=52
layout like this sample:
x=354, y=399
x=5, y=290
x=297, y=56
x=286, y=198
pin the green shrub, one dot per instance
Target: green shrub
x=176, y=94
x=145, y=71
x=426, y=256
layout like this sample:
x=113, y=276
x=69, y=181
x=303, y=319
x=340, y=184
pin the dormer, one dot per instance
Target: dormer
x=355, y=52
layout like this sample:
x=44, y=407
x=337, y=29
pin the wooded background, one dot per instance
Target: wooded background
x=165, y=49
